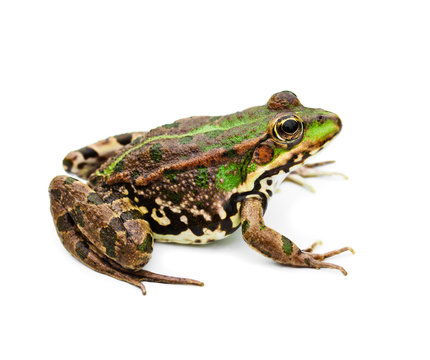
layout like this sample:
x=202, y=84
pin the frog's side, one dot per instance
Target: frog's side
x=192, y=181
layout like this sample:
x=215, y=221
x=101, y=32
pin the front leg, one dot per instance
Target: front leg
x=276, y=246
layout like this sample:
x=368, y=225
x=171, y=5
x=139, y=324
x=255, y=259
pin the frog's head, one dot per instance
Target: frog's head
x=293, y=134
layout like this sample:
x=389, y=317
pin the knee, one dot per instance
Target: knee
x=57, y=182
x=136, y=251
x=61, y=182
x=132, y=257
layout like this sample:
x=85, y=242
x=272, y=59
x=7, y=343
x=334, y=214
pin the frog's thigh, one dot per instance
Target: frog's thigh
x=116, y=231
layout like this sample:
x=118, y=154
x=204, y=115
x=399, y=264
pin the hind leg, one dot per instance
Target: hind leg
x=85, y=161
x=111, y=238
x=82, y=249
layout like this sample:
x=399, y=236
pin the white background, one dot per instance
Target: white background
x=74, y=72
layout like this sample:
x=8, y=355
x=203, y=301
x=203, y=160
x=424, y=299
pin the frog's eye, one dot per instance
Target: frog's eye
x=288, y=128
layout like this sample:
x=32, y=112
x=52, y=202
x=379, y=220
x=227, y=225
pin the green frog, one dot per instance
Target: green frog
x=193, y=181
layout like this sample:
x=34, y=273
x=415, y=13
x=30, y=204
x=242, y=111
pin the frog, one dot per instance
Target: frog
x=192, y=181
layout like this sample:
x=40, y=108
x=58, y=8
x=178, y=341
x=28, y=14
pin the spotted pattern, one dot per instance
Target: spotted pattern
x=108, y=238
x=146, y=245
x=82, y=249
x=183, y=182
x=156, y=152
x=94, y=198
x=78, y=216
x=189, y=178
x=88, y=152
x=124, y=139
x=287, y=246
x=65, y=223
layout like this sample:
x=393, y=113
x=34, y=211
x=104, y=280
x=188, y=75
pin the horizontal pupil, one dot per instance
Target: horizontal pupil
x=290, y=126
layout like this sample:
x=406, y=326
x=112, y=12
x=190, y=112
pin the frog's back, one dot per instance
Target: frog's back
x=155, y=150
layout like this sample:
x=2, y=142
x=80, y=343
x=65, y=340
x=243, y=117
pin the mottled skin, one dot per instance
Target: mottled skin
x=192, y=181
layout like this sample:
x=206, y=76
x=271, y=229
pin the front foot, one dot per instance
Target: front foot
x=309, y=171
x=278, y=247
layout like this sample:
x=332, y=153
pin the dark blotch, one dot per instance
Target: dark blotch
x=95, y=180
x=146, y=246
x=171, y=174
x=123, y=139
x=156, y=152
x=137, y=140
x=65, y=223
x=114, y=195
x=108, y=238
x=70, y=180
x=230, y=153
x=82, y=250
x=118, y=167
x=78, y=216
x=67, y=164
x=131, y=215
x=94, y=198
x=117, y=224
x=288, y=245
x=56, y=194
x=174, y=197
x=227, y=225
x=87, y=152
x=135, y=174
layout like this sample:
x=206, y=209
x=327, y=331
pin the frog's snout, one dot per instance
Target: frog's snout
x=338, y=122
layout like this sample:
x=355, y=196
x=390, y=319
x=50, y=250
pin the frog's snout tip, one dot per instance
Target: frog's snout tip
x=337, y=121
